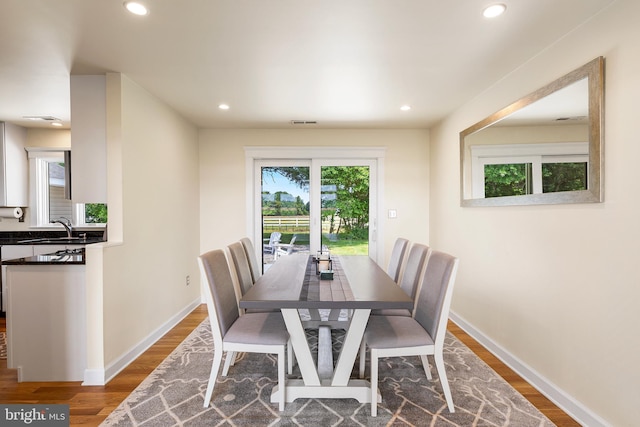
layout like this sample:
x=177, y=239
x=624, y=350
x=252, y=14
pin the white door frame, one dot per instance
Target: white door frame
x=318, y=156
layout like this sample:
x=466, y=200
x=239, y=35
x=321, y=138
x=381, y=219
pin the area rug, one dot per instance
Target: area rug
x=3, y=345
x=173, y=394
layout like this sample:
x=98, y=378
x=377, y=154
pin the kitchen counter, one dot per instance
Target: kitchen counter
x=28, y=247
x=50, y=237
x=46, y=321
x=65, y=256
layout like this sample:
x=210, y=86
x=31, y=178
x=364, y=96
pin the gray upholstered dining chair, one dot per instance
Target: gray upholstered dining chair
x=241, y=265
x=242, y=269
x=397, y=257
x=252, y=332
x=413, y=271
x=241, y=272
x=393, y=336
x=254, y=265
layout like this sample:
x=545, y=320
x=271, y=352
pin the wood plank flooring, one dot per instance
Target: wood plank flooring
x=90, y=405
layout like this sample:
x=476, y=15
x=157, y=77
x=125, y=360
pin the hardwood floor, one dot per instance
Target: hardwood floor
x=90, y=405
x=544, y=405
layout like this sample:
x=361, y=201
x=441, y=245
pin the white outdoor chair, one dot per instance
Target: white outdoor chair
x=397, y=257
x=393, y=336
x=286, y=248
x=253, y=332
x=413, y=270
x=271, y=245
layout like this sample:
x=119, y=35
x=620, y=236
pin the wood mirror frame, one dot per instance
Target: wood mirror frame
x=593, y=72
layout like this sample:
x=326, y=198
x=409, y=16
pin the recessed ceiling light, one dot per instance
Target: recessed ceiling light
x=57, y=124
x=136, y=8
x=223, y=106
x=494, y=10
x=405, y=108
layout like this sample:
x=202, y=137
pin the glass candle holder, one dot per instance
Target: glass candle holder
x=323, y=261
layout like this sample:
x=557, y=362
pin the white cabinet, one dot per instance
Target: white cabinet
x=11, y=252
x=13, y=166
x=89, y=139
x=46, y=322
x=24, y=251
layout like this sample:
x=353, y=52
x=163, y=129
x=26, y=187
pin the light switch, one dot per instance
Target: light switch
x=393, y=213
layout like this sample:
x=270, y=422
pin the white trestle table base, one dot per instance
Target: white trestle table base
x=355, y=389
x=359, y=285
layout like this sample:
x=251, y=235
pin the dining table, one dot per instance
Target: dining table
x=357, y=286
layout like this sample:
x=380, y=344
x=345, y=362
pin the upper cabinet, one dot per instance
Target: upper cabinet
x=88, y=139
x=13, y=166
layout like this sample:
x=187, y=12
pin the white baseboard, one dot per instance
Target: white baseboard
x=95, y=377
x=559, y=397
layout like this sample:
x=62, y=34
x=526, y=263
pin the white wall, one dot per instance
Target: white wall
x=52, y=138
x=153, y=200
x=222, y=178
x=557, y=287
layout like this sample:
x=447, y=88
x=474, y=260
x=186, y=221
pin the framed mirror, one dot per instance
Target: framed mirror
x=546, y=148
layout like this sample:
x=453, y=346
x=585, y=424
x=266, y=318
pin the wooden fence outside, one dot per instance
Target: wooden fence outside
x=279, y=223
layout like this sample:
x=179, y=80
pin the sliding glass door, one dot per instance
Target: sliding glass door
x=344, y=209
x=284, y=213
x=312, y=204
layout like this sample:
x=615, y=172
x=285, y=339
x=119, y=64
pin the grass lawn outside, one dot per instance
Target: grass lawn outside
x=338, y=246
x=347, y=247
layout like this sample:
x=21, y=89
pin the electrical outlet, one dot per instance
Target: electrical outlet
x=188, y=280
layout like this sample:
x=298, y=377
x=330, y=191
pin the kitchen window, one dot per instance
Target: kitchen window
x=49, y=193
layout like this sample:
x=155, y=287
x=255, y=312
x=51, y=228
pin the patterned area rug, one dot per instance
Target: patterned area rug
x=3, y=345
x=173, y=394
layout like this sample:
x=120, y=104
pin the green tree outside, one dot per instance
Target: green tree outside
x=514, y=179
x=345, y=201
x=95, y=213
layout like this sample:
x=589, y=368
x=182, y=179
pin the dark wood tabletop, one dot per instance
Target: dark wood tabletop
x=358, y=282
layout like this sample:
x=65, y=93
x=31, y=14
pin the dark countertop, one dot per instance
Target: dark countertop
x=50, y=237
x=68, y=256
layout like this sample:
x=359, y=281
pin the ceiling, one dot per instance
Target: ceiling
x=343, y=64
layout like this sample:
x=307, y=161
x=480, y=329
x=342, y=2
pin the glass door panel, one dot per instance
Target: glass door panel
x=344, y=209
x=285, y=211
x=324, y=203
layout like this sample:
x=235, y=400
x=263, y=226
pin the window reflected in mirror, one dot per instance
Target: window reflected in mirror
x=543, y=149
x=518, y=170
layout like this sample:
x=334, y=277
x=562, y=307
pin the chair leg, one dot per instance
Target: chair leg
x=443, y=380
x=281, y=379
x=228, y=361
x=374, y=382
x=425, y=365
x=215, y=367
x=363, y=356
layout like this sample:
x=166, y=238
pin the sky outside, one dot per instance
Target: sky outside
x=274, y=182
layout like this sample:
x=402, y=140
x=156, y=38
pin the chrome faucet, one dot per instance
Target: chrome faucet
x=66, y=223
